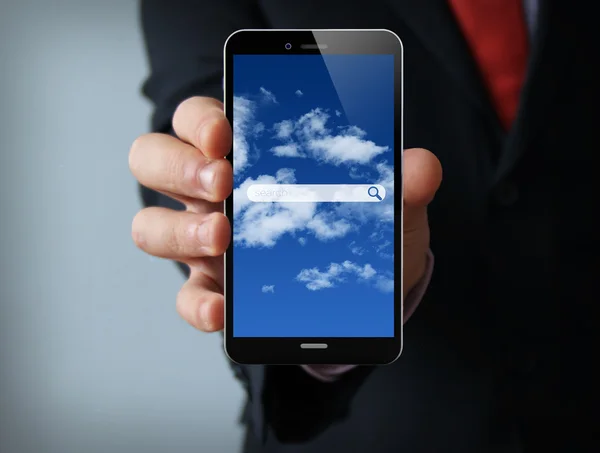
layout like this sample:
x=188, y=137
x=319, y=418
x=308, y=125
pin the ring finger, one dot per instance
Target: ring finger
x=180, y=235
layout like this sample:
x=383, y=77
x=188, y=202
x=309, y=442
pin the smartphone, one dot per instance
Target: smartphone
x=313, y=273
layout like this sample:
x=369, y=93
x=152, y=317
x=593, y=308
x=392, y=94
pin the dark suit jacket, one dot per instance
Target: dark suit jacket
x=498, y=355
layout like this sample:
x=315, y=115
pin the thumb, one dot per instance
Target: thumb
x=422, y=175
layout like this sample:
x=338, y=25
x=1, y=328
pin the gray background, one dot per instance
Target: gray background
x=93, y=357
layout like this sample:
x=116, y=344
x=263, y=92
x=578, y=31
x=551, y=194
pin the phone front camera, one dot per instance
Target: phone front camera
x=288, y=46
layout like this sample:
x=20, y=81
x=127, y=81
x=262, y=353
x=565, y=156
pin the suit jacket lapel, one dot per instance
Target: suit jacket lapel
x=549, y=57
x=433, y=22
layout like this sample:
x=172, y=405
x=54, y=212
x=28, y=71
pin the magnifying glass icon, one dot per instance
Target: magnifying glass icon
x=374, y=192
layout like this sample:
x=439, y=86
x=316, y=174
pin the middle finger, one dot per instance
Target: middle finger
x=166, y=164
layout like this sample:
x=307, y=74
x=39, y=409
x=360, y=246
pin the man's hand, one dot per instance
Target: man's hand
x=192, y=169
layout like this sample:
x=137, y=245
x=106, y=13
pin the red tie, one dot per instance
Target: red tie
x=495, y=31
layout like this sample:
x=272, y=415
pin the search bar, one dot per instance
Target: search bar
x=318, y=193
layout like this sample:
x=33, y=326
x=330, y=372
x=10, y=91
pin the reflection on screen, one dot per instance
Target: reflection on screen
x=313, y=228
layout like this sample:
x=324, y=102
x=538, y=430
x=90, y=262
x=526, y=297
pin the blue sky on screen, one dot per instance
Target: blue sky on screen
x=313, y=269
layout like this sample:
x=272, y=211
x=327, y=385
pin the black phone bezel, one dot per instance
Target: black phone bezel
x=287, y=350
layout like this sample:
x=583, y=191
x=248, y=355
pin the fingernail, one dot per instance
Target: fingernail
x=206, y=176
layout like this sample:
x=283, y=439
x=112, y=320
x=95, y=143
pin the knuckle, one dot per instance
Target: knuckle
x=189, y=237
x=176, y=240
x=189, y=174
x=198, y=239
x=179, y=172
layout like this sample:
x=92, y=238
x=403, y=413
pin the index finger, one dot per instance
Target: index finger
x=201, y=122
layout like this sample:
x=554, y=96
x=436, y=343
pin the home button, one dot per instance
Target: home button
x=313, y=345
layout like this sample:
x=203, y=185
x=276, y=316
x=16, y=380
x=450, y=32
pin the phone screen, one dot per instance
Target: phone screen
x=313, y=200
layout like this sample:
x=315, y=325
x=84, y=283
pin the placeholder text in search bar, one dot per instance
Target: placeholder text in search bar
x=317, y=193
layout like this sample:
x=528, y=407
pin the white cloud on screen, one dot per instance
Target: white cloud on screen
x=245, y=126
x=325, y=226
x=259, y=128
x=353, y=130
x=342, y=149
x=309, y=134
x=299, y=93
x=383, y=246
x=384, y=250
x=355, y=249
x=283, y=129
x=290, y=150
x=312, y=124
x=268, y=289
x=286, y=176
x=376, y=235
x=336, y=273
x=243, y=117
x=268, y=96
x=338, y=113
x=386, y=177
x=262, y=224
x=384, y=284
x=356, y=173
x=381, y=212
